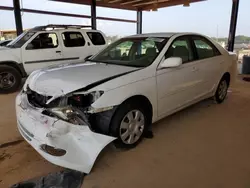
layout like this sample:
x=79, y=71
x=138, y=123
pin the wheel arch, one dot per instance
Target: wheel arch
x=102, y=121
x=227, y=76
x=138, y=100
x=142, y=100
x=17, y=66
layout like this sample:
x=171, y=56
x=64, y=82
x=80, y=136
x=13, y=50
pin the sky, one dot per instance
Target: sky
x=211, y=17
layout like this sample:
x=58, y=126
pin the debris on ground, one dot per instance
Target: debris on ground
x=247, y=79
x=12, y=143
x=4, y=156
x=63, y=179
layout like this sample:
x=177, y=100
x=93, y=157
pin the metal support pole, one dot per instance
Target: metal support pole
x=93, y=14
x=139, y=22
x=233, y=24
x=18, y=18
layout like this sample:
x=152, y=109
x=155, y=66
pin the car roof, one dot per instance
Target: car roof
x=69, y=29
x=52, y=27
x=164, y=35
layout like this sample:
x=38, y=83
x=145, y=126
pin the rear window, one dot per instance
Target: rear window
x=205, y=49
x=96, y=38
x=73, y=39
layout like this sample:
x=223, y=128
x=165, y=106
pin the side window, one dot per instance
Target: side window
x=96, y=38
x=73, y=39
x=181, y=48
x=205, y=49
x=43, y=41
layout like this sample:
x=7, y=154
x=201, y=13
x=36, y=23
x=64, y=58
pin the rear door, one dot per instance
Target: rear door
x=97, y=41
x=209, y=63
x=75, y=45
x=42, y=51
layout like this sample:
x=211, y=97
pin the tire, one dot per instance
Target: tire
x=221, y=92
x=10, y=79
x=121, y=125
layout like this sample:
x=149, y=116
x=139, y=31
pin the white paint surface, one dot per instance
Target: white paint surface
x=168, y=91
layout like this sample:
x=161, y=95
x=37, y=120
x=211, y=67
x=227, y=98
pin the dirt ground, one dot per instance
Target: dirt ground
x=203, y=146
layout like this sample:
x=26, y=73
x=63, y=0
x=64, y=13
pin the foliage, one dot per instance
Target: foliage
x=238, y=39
x=112, y=38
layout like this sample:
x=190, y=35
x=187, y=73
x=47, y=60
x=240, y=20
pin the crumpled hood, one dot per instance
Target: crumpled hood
x=64, y=79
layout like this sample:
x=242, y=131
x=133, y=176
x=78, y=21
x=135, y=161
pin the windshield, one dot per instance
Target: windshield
x=135, y=52
x=20, y=40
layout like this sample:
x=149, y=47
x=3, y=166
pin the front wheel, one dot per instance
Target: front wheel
x=129, y=124
x=10, y=79
x=221, y=91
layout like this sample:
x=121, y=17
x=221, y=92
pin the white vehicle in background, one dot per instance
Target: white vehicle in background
x=45, y=46
x=70, y=113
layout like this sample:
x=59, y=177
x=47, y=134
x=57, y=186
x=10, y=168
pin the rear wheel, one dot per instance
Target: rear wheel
x=221, y=92
x=129, y=125
x=10, y=79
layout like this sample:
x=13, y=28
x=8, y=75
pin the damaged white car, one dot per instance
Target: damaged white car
x=70, y=113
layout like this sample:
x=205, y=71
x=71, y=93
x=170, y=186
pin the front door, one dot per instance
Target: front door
x=43, y=50
x=177, y=86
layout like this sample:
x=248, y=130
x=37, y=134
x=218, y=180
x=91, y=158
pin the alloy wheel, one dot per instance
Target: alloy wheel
x=223, y=89
x=132, y=127
x=7, y=80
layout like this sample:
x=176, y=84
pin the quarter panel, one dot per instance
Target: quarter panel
x=7, y=54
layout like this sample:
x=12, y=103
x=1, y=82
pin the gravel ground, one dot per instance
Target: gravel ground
x=203, y=146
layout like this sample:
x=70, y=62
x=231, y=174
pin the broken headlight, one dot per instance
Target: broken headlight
x=70, y=114
x=84, y=100
x=76, y=105
x=95, y=95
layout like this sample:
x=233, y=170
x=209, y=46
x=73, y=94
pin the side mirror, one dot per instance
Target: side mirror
x=171, y=62
x=87, y=58
x=29, y=46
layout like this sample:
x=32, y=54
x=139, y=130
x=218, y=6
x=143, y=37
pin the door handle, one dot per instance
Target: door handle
x=58, y=51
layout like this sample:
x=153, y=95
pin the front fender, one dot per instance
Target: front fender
x=146, y=87
x=7, y=55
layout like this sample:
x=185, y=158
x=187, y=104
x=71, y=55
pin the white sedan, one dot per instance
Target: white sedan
x=69, y=113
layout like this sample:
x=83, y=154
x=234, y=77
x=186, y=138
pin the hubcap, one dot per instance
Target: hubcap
x=132, y=127
x=223, y=90
x=7, y=80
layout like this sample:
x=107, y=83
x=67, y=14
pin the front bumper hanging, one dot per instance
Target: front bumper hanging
x=61, y=143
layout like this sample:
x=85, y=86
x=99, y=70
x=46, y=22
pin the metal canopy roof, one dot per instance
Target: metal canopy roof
x=134, y=4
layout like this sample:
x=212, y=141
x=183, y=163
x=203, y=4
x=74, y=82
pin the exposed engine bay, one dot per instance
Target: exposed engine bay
x=73, y=108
